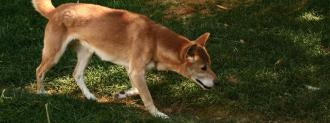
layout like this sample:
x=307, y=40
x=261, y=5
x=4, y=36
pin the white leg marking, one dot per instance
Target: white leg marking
x=130, y=92
x=42, y=88
x=83, y=55
x=156, y=113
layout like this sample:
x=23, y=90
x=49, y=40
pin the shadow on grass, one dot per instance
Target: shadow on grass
x=272, y=48
x=20, y=106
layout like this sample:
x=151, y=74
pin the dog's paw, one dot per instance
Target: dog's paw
x=90, y=97
x=41, y=92
x=120, y=95
x=159, y=114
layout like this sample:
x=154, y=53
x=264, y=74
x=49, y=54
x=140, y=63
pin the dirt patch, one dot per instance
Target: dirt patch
x=184, y=8
x=181, y=9
x=232, y=79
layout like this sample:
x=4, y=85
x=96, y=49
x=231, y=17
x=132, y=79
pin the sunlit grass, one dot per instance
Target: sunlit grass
x=310, y=16
x=265, y=63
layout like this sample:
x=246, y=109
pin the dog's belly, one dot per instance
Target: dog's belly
x=110, y=57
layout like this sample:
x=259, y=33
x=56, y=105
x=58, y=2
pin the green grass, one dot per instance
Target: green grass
x=264, y=53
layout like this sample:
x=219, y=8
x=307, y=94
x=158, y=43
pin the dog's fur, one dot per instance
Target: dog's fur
x=124, y=38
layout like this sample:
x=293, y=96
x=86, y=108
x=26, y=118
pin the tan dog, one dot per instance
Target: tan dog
x=124, y=38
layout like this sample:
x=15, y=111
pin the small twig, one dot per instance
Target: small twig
x=48, y=119
x=222, y=7
x=312, y=88
x=3, y=95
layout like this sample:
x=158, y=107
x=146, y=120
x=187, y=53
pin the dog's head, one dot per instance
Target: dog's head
x=197, y=63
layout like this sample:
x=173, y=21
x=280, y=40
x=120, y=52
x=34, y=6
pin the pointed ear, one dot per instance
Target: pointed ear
x=188, y=53
x=202, y=39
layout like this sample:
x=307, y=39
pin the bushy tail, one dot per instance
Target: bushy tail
x=44, y=7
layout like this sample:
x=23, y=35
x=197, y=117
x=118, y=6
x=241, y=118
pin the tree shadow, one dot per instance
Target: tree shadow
x=272, y=53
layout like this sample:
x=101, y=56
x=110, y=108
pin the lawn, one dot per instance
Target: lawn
x=272, y=58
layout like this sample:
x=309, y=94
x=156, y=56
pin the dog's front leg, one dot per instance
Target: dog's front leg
x=136, y=75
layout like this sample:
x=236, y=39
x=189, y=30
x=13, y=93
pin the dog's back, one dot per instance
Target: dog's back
x=111, y=33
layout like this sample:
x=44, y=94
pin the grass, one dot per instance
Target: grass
x=266, y=54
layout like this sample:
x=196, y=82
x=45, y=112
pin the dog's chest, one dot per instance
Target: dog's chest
x=158, y=66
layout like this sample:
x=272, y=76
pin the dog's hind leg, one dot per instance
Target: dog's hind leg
x=55, y=42
x=83, y=55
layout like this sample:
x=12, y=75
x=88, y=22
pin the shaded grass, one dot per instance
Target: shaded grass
x=271, y=48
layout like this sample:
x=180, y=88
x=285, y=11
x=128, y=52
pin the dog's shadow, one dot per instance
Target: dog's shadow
x=65, y=108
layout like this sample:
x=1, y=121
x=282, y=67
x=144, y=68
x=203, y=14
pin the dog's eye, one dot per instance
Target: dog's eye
x=204, y=67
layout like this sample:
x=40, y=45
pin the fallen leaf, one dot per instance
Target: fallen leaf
x=278, y=62
x=241, y=41
x=232, y=79
x=226, y=25
x=312, y=88
x=222, y=7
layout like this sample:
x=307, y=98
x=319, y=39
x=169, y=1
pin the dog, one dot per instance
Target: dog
x=124, y=38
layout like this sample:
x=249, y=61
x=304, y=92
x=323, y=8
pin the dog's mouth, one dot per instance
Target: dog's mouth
x=204, y=86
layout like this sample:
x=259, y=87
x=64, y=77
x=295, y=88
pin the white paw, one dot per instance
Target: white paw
x=159, y=114
x=41, y=91
x=120, y=95
x=90, y=97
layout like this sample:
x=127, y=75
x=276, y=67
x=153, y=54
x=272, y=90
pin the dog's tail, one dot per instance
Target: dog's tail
x=44, y=7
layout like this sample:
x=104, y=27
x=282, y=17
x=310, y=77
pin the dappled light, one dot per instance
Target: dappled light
x=271, y=57
x=310, y=16
x=227, y=5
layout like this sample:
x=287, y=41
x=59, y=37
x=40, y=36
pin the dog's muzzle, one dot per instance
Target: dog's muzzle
x=202, y=84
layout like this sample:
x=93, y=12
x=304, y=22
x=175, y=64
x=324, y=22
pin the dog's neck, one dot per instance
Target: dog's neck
x=169, y=48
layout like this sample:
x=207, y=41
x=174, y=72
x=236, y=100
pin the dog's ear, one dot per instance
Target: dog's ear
x=202, y=39
x=190, y=53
